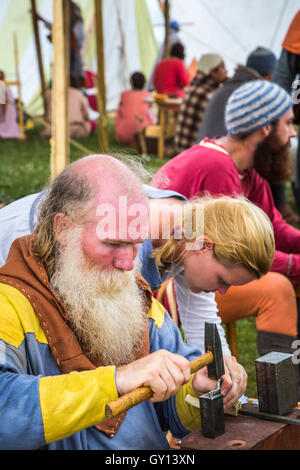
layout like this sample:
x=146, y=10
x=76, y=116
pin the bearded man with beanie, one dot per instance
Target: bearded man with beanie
x=261, y=64
x=259, y=127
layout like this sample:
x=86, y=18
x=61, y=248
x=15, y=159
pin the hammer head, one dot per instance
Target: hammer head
x=213, y=344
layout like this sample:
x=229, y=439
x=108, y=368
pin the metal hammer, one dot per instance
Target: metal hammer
x=212, y=358
x=211, y=403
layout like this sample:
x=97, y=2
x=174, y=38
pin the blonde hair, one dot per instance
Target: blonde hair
x=242, y=234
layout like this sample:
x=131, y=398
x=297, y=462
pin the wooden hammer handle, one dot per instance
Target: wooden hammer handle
x=127, y=401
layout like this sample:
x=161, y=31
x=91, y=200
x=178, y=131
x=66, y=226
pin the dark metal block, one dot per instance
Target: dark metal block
x=212, y=414
x=276, y=378
x=215, y=370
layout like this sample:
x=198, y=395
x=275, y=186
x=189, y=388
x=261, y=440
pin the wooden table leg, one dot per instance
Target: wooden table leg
x=161, y=139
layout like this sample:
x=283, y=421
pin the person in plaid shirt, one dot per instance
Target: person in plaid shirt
x=211, y=72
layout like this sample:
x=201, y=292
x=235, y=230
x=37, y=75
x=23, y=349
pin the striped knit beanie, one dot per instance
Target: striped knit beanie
x=254, y=105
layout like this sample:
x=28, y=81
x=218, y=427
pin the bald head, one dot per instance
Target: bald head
x=109, y=178
x=99, y=192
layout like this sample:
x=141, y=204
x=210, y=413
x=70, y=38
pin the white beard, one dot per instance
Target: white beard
x=106, y=309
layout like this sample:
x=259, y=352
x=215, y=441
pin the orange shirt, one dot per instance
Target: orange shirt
x=291, y=41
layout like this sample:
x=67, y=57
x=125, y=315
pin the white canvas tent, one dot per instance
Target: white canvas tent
x=129, y=41
x=232, y=28
x=133, y=31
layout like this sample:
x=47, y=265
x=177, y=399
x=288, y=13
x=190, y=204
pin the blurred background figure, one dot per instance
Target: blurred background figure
x=134, y=113
x=80, y=124
x=260, y=64
x=173, y=38
x=77, y=41
x=9, y=128
x=170, y=75
x=210, y=74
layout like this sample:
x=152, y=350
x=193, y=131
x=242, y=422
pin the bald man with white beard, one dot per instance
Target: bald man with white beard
x=79, y=325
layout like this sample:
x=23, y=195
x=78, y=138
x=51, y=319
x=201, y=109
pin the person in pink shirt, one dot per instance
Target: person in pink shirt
x=258, y=118
x=171, y=75
x=80, y=124
x=9, y=128
x=134, y=113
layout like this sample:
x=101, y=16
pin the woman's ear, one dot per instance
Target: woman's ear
x=61, y=225
x=201, y=244
x=208, y=244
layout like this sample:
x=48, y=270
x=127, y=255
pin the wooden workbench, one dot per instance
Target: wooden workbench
x=248, y=433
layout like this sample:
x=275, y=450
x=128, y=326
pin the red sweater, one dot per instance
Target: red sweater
x=208, y=168
x=170, y=77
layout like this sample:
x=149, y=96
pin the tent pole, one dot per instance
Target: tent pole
x=101, y=89
x=18, y=83
x=59, y=105
x=38, y=51
x=167, y=21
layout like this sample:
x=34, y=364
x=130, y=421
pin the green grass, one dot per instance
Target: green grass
x=25, y=165
x=25, y=169
x=247, y=349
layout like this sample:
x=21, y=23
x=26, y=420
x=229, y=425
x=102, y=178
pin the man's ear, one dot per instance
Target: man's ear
x=61, y=224
x=266, y=130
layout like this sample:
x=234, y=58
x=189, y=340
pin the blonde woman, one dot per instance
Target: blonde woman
x=233, y=245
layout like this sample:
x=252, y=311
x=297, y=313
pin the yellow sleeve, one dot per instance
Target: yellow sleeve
x=68, y=402
x=189, y=415
x=75, y=401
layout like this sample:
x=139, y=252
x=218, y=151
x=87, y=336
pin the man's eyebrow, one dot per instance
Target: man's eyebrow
x=123, y=242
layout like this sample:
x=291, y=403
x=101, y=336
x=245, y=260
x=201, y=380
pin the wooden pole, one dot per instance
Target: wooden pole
x=101, y=88
x=38, y=52
x=59, y=104
x=18, y=83
x=167, y=22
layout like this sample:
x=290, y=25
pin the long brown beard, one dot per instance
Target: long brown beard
x=106, y=309
x=272, y=159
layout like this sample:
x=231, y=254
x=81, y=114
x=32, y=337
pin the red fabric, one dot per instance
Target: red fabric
x=91, y=82
x=291, y=41
x=201, y=170
x=170, y=77
x=133, y=115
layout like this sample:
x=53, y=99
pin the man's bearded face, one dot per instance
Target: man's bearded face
x=272, y=158
x=106, y=308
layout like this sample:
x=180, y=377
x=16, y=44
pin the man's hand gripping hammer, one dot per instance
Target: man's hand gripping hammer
x=212, y=358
